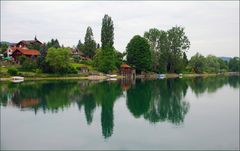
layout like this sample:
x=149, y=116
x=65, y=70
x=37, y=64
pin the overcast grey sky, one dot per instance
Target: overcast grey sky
x=212, y=27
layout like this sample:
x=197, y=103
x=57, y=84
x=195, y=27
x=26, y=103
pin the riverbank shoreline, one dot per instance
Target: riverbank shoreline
x=100, y=78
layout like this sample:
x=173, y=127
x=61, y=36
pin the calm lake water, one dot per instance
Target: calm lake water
x=191, y=113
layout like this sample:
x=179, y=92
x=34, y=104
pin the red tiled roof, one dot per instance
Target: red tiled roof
x=27, y=51
x=125, y=66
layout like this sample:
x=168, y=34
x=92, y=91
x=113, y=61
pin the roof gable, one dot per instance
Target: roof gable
x=27, y=51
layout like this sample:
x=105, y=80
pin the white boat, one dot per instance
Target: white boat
x=112, y=79
x=112, y=75
x=17, y=79
x=180, y=75
x=161, y=76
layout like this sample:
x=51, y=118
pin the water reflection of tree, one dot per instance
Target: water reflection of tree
x=234, y=81
x=89, y=103
x=138, y=98
x=105, y=94
x=158, y=100
x=200, y=85
x=51, y=95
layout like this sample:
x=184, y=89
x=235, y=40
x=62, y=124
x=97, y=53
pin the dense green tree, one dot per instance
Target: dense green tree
x=42, y=64
x=223, y=65
x=212, y=64
x=234, y=64
x=185, y=59
x=138, y=54
x=27, y=63
x=197, y=63
x=163, y=46
x=168, y=49
x=35, y=46
x=178, y=43
x=89, y=44
x=3, y=47
x=56, y=44
x=80, y=46
x=53, y=43
x=119, y=58
x=97, y=57
x=58, y=59
x=153, y=37
x=107, y=32
x=105, y=59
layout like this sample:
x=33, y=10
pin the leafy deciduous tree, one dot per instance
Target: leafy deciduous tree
x=3, y=47
x=234, y=64
x=138, y=54
x=178, y=43
x=58, y=59
x=197, y=63
x=212, y=64
x=105, y=59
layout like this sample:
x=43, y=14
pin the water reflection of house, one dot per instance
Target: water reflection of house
x=126, y=83
x=28, y=102
x=127, y=71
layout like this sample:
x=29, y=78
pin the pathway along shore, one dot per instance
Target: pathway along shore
x=149, y=76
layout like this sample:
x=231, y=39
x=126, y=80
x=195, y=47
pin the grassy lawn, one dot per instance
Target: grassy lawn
x=4, y=72
x=75, y=65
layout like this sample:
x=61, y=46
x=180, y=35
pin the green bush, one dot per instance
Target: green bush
x=87, y=62
x=12, y=71
x=29, y=64
x=59, y=60
x=73, y=70
x=38, y=71
x=77, y=59
x=22, y=59
x=67, y=70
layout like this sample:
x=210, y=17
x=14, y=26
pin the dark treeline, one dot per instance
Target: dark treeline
x=155, y=101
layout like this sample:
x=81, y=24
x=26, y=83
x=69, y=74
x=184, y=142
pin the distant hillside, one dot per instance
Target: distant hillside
x=225, y=58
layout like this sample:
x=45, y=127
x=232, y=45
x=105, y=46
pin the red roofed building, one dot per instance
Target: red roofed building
x=26, y=43
x=127, y=71
x=17, y=52
x=23, y=44
x=75, y=52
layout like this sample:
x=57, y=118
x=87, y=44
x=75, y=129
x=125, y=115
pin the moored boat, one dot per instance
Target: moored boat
x=111, y=75
x=17, y=79
x=180, y=75
x=161, y=76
